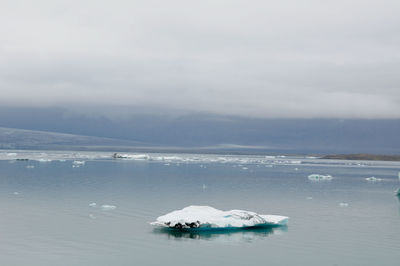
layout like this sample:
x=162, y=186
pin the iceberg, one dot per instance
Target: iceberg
x=206, y=217
x=373, y=179
x=108, y=207
x=317, y=177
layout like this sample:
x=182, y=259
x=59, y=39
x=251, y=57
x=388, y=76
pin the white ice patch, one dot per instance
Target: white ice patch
x=209, y=217
x=373, y=179
x=343, y=204
x=78, y=162
x=30, y=166
x=44, y=160
x=317, y=177
x=108, y=207
x=93, y=204
x=139, y=157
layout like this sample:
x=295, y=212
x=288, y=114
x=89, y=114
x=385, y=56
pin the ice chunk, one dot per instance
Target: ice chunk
x=139, y=157
x=30, y=166
x=343, y=204
x=209, y=217
x=317, y=177
x=78, y=162
x=93, y=204
x=108, y=207
x=373, y=179
x=44, y=160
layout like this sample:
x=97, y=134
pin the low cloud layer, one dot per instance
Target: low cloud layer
x=267, y=59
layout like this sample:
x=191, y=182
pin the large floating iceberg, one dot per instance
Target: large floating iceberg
x=206, y=217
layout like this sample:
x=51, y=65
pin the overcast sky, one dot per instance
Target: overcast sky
x=267, y=59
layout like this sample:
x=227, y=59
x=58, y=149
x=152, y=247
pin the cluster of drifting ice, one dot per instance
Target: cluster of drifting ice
x=317, y=177
x=373, y=179
x=103, y=207
x=208, y=217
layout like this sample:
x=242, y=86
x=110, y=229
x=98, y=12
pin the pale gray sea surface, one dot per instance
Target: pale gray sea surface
x=47, y=215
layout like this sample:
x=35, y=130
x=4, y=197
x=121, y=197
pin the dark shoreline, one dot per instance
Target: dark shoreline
x=362, y=156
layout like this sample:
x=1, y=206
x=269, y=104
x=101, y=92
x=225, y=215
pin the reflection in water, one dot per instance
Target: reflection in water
x=249, y=234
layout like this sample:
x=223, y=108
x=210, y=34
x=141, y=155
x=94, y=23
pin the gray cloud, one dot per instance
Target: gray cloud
x=251, y=58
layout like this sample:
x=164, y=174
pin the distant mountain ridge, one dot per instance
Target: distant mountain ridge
x=197, y=132
x=12, y=138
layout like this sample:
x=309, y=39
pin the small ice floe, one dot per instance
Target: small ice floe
x=206, y=217
x=11, y=154
x=296, y=169
x=245, y=168
x=16, y=193
x=80, y=163
x=93, y=204
x=343, y=204
x=373, y=179
x=108, y=207
x=30, y=166
x=204, y=187
x=317, y=177
x=44, y=160
x=309, y=198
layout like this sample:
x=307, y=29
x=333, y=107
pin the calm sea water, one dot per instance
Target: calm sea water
x=45, y=217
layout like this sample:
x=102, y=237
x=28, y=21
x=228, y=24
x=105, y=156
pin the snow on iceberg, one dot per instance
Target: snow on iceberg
x=206, y=217
x=317, y=177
